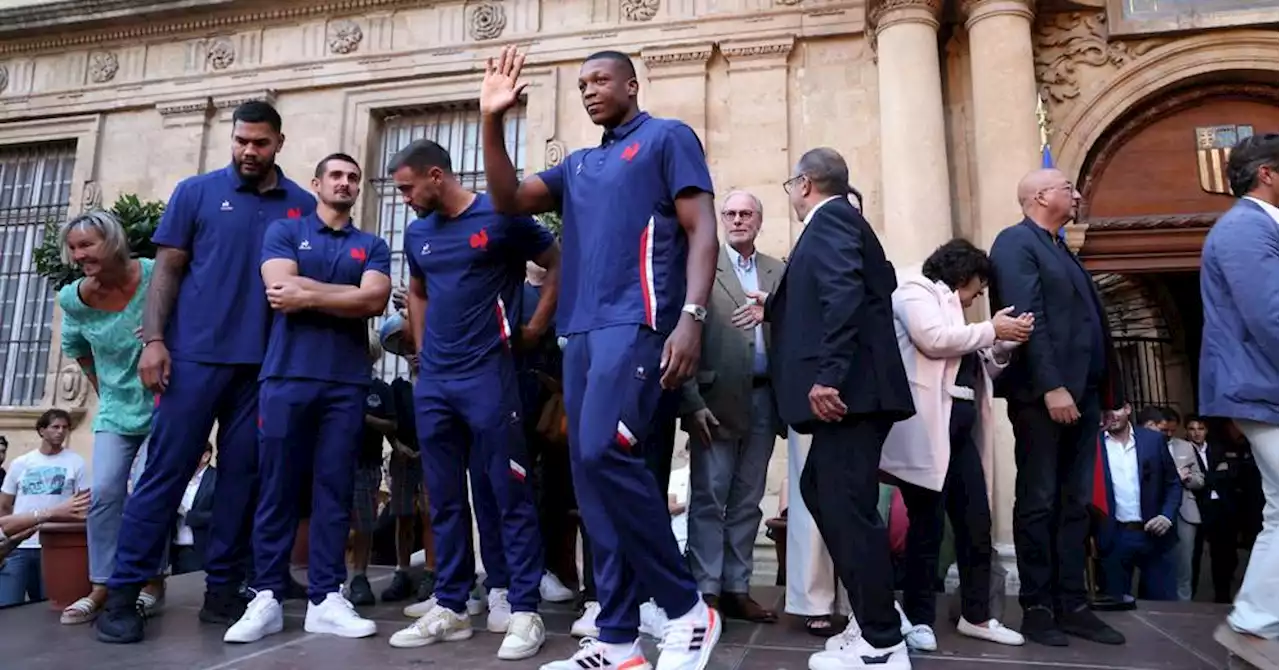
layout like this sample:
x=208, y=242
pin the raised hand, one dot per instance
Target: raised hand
x=501, y=87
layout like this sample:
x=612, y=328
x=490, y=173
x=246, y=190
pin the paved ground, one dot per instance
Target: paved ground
x=1162, y=636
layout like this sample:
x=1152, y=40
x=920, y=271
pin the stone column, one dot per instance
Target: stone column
x=677, y=86
x=1006, y=137
x=760, y=153
x=913, y=142
x=1006, y=147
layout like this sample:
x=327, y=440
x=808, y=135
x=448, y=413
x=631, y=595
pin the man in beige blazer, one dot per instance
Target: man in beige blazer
x=729, y=413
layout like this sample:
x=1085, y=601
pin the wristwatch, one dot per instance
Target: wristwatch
x=698, y=312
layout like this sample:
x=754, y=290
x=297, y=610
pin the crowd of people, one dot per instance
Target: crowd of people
x=547, y=376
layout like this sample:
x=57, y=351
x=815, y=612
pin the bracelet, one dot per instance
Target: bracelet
x=151, y=340
x=40, y=515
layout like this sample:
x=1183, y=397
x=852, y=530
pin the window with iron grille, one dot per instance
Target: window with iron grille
x=457, y=129
x=35, y=188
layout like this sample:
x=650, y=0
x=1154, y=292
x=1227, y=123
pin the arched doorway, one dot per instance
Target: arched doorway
x=1152, y=185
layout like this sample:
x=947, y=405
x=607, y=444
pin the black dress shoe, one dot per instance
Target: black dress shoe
x=122, y=620
x=222, y=606
x=400, y=588
x=1083, y=623
x=1039, y=626
x=360, y=593
x=426, y=587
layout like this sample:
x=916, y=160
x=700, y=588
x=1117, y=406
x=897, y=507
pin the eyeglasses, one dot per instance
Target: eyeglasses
x=733, y=215
x=791, y=183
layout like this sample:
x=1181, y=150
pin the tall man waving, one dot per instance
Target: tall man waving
x=640, y=255
x=325, y=278
x=205, y=332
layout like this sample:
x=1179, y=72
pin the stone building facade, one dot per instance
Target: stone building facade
x=933, y=102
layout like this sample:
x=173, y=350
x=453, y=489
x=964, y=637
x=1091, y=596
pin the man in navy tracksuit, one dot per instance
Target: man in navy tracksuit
x=639, y=258
x=205, y=332
x=324, y=279
x=466, y=266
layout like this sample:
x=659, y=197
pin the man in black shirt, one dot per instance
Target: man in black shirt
x=379, y=424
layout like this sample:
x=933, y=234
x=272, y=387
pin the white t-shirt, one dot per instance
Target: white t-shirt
x=39, y=482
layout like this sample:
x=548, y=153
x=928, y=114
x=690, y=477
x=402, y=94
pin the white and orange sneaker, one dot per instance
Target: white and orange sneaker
x=687, y=640
x=595, y=654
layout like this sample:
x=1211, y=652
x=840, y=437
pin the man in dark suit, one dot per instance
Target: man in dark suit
x=1144, y=492
x=195, y=512
x=1054, y=385
x=837, y=374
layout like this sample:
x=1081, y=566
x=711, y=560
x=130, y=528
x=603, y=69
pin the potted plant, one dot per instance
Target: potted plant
x=139, y=219
x=552, y=221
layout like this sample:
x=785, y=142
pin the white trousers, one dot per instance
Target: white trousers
x=812, y=588
x=1257, y=603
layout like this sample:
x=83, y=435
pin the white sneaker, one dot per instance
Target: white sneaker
x=652, y=619
x=262, y=617
x=499, y=612
x=991, y=631
x=902, y=618
x=687, y=641
x=593, y=654
x=525, y=637
x=553, y=590
x=335, y=615
x=585, y=625
x=419, y=610
x=851, y=633
x=921, y=638
x=860, y=654
x=440, y=624
x=475, y=601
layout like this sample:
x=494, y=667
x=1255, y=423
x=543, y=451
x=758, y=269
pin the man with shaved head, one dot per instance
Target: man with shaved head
x=729, y=415
x=1056, y=385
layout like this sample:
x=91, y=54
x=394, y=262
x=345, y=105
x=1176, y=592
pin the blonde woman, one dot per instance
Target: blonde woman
x=100, y=316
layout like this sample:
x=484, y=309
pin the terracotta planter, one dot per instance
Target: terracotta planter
x=64, y=562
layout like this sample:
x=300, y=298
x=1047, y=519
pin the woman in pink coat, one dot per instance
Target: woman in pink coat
x=941, y=458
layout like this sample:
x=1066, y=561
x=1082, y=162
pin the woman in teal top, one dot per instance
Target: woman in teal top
x=100, y=316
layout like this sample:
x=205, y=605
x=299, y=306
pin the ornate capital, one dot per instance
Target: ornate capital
x=91, y=196
x=73, y=388
x=226, y=104
x=977, y=10
x=886, y=13
x=683, y=59
x=759, y=54
x=185, y=112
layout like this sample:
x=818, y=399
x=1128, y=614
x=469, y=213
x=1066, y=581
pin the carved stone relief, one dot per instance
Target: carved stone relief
x=73, y=388
x=488, y=20
x=640, y=10
x=4, y=78
x=91, y=197
x=103, y=66
x=1065, y=42
x=221, y=54
x=556, y=151
x=344, y=37
x=656, y=59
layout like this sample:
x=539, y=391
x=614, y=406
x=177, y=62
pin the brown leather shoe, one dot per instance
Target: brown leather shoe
x=741, y=606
